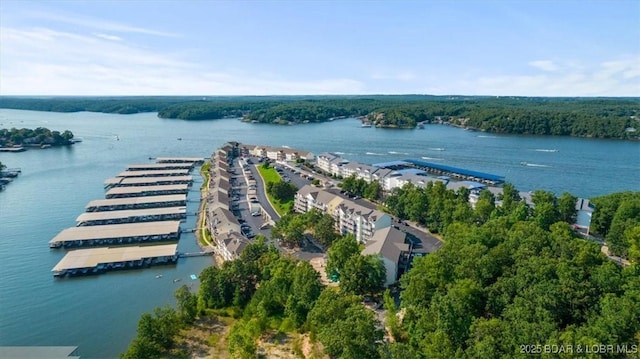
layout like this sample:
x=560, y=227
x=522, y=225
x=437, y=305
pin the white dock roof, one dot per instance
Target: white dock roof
x=91, y=257
x=157, y=166
x=117, y=231
x=95, y=216
x=143, y=189
x=138, y=180
x=179, y=159
x=137, y=200
x=182, y=172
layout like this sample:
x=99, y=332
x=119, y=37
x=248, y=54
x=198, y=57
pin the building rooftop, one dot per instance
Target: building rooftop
x=117, y=231
x=91, y=257
x=387, y=242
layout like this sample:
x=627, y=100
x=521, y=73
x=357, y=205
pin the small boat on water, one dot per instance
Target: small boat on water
x=159, y=276
x=366, y=125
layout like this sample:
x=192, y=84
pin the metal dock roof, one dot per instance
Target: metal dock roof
x=179, y=159
x=157, y=166
x=133, y=181
x=462, y=171
x=137, y=200
x=126, y=230
x=129, y=213
x=152, y=173
x=135, y=191
x=92, y=257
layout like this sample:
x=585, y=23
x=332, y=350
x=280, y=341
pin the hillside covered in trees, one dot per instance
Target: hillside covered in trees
x=510, y=281
x=616, y=118
x=34, y=137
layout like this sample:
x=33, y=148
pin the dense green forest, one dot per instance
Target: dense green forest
x=511, y=280
x=34, y=137
x=584, y=117
x=617, y=219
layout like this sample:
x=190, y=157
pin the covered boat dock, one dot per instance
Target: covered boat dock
x=154, y=173
x=160, y=166
x=99, y=260
x=131, y=216
x=115, y=234
x=146, y=181
x=194, y=160
x=138, y=191
x=457, y=173
x=118, y=204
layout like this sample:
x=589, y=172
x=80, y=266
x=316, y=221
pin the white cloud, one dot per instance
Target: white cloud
x=544, y=65
x=97, y=23
x=109, y=37
x=613, y=78
x=47, y=62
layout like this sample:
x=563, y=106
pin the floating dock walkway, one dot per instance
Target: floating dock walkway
x=131, y=216
x=117, y=204
x=147, y=181
x=115, y=234
x=154, y=173
x=139, y=191
x=99, y=260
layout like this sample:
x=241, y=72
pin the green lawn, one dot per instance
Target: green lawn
x=271, y=175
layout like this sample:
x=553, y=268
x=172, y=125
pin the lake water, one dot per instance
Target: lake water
x=99, y=314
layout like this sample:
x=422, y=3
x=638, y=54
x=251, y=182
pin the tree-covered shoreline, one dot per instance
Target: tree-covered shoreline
x=34, y=137
x=613, y=118
x=510, y=281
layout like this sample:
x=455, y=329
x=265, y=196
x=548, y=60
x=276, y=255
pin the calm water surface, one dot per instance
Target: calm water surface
x=99, y=314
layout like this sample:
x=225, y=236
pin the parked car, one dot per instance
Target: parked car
x=255, y=214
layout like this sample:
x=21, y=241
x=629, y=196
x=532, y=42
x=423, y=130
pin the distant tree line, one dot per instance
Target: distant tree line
x=615, y=118
x=38, y=136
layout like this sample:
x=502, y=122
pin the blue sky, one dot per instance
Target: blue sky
x=524, y=48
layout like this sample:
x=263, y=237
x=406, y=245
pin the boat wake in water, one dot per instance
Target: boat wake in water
x=431, y=158
x=545, y=150
x=534, y=165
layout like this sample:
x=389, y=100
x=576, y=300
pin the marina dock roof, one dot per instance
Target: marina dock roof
x=127, y=230
x=134, y=181
x=136, y=201
x=151, y=173
x=461, y=171
x=158, y=166
x=92, y=257
x=135, y=191
x=130, y=213
x=38, y=352
x=179, y=159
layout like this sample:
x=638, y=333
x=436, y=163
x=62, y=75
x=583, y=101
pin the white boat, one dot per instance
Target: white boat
x=366, y=125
